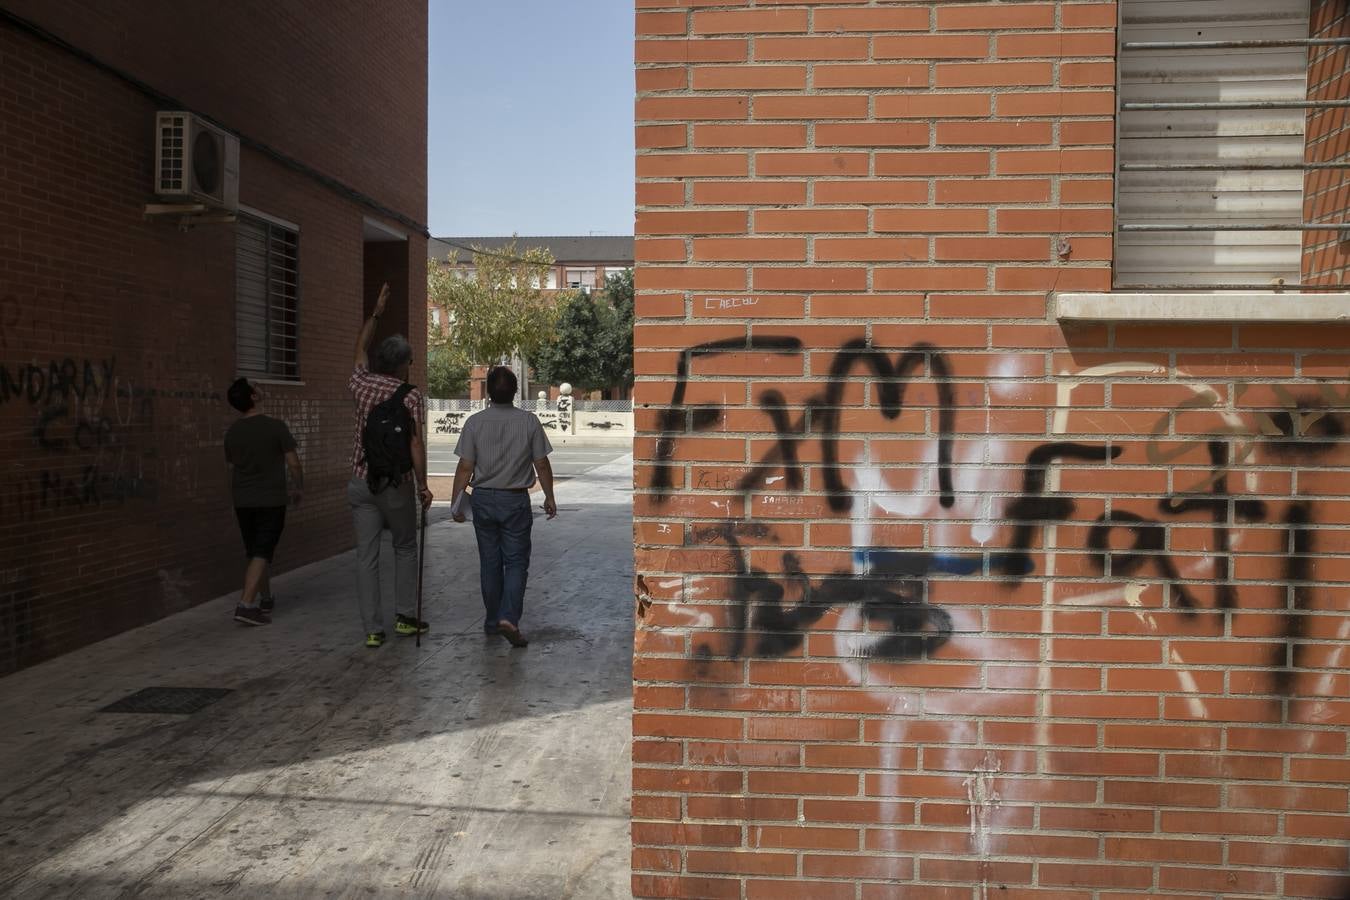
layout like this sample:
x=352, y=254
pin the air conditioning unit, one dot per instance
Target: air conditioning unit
x=195, y=162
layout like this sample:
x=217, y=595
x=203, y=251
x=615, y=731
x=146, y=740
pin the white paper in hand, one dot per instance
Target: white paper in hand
x=461, y=506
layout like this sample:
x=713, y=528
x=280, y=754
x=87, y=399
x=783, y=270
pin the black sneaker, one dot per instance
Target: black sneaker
x=250, y=615
x=267, y=604
x=409, y=625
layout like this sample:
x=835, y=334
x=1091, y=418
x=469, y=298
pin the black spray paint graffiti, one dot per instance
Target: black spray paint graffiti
x=59, y=380
x=111, y=481
x=912, y=626
x=554, y=421
x=772, y=611
x=821, y=414
x=1307, y=433
x=93, y=486
x=97, y=430
x=450, y=423
x=909, y=627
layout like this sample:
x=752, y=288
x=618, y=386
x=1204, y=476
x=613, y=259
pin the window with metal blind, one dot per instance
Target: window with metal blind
x=266, y=299
x=581, y=278
x=1210, y=148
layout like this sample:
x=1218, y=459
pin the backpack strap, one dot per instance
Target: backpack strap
x=403, y=391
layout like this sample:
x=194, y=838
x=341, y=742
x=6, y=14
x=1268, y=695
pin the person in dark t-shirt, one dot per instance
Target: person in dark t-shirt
x=259, y=450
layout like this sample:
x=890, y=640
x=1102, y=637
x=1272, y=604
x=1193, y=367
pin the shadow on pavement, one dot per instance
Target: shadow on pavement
x=332, y=770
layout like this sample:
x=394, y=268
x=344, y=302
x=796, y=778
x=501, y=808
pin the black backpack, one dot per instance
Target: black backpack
x=386, y=442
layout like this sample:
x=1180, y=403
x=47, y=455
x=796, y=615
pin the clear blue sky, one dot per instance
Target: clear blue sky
x=530, y=117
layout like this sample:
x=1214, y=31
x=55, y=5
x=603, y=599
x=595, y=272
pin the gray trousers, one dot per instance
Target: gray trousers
x=395, y=509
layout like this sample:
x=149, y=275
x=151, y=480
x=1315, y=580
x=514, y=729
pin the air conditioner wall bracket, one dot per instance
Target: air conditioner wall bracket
x=189, y=214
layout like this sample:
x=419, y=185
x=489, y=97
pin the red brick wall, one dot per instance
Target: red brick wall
x=1326, y=192
x=117, y=332
x=937, y=597
x=340, y=85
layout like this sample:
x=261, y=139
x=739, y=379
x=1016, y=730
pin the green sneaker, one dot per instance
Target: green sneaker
x=375, y=639
x=409, y=625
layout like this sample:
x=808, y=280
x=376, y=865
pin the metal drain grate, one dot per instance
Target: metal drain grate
x=176, y=701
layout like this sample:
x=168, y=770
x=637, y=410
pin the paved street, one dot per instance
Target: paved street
x=568, y=461
x=463, y=769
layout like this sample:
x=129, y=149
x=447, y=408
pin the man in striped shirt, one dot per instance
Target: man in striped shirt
x=501, y=448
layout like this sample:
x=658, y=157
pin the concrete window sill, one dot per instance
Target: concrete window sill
x=1201, y=307
x=275, y=382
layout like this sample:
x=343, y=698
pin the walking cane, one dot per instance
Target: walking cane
x=421, y=556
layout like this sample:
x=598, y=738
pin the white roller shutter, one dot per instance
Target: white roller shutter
x=1202, y=167
x=250, y=296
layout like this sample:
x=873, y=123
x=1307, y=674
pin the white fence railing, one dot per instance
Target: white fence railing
x=616, y=406
x=441, y=406
x=562, y=418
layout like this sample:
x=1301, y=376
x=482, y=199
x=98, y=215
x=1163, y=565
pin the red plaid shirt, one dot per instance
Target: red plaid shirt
x=370, y=390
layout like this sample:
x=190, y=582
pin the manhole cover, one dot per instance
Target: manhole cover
x=177, y=701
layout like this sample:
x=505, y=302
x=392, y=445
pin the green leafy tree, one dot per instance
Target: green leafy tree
x=447, y=372
x=619, y=347
x=501, y=310
x=592, y=345
x=578, y=351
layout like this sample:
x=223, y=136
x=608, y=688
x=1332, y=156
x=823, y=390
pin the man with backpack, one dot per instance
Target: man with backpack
x=389, y=462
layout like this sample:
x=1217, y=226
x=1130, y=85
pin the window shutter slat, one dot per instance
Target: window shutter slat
x=267, y=293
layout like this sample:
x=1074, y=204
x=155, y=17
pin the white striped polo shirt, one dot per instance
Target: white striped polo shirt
x=502, y=442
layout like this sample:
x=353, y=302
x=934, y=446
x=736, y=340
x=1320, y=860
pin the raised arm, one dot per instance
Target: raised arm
x=368, y=327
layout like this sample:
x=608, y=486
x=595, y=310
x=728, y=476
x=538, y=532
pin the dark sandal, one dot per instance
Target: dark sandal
x=512, y=634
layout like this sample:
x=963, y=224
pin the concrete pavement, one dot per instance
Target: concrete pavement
x=568, y=461
x=465, y=769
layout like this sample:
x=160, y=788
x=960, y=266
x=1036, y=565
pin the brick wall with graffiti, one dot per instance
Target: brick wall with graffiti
x=117, y=331
x=938, y=597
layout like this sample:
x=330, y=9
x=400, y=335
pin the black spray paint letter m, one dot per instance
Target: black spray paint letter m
x=824, y=411
x=892, y=391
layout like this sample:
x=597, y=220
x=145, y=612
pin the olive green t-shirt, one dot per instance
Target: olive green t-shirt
x=257, y=446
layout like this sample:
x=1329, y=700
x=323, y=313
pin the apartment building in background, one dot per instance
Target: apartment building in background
x=580, y=262
x=991, y=479
x=191, y=193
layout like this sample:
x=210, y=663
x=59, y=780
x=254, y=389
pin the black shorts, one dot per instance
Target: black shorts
x=261, y=527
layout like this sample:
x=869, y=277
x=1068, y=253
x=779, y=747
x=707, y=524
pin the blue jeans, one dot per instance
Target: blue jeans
x=502, y=521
